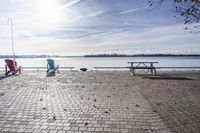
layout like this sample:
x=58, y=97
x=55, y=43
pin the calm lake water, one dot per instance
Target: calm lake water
x=90, y=62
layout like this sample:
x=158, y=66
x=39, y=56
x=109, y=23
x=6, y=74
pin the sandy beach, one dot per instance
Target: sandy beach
x=100, y=101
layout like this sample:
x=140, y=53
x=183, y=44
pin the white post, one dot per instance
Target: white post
x=10, y=22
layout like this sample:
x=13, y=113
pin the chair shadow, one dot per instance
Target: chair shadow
x=167, y=78
x=51, y=74
x=4, y=77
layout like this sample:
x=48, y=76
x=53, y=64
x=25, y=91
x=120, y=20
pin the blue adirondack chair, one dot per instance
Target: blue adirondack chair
x=51, y=68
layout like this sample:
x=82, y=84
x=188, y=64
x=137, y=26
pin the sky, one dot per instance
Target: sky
x=79, y=27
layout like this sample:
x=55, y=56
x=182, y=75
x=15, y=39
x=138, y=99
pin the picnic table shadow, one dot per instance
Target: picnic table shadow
x=167, y=78
x=4, y=77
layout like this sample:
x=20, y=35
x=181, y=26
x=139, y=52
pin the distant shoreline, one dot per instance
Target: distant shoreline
x=143, y=55
x=101, y=55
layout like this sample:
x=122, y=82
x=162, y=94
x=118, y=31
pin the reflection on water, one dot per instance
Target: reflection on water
x=90, y=62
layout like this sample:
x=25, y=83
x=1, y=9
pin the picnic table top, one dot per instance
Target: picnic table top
x=143, y=62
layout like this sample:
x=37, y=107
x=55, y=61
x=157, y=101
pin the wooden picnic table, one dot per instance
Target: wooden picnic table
x=142, y=65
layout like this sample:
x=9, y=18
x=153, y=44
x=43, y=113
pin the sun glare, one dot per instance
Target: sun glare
x=47, y=11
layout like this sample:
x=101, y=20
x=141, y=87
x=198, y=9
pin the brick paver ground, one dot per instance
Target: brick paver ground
x=75, y=102
x=175, y=98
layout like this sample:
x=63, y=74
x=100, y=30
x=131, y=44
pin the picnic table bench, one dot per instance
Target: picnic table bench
x=142, y=65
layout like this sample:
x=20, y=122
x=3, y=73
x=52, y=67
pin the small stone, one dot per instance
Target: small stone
x=106, y=112
x=41, y=99
x=137, y=105
x=155, y=110
x=2, y=94
x=159, y=103
x=54, y=118
x=86, y=123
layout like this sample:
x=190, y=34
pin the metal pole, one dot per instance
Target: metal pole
x=10, y=22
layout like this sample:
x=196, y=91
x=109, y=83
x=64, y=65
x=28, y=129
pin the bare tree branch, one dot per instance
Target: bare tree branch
x=188, y=11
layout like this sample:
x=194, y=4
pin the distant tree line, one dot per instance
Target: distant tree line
x=25, y=56
x=139, y=55
x=96, y=55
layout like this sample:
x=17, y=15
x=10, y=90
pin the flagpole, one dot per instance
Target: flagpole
x=10, y=22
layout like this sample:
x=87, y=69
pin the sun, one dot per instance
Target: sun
x=47, y=11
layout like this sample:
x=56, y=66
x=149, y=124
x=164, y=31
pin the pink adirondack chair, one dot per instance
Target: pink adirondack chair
x=12, y=66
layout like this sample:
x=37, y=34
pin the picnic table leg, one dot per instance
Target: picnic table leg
x=151, y=65
x=155, y=72
x=134, y=72
x=131, y=70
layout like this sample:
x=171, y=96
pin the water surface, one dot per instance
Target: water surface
x=90, y=62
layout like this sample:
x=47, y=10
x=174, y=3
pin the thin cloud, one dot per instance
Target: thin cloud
x=74, y=2
x=90, y=15
x=132, y=10
x=95, y=14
